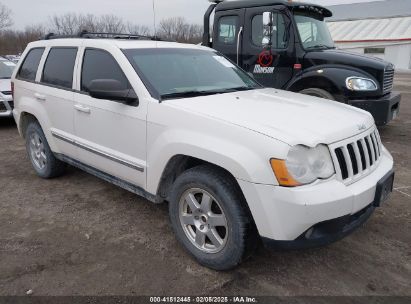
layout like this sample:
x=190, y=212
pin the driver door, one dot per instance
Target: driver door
x=272, y=68
x=111, y=135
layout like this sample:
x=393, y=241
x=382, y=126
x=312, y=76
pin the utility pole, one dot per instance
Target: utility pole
x=154, y=16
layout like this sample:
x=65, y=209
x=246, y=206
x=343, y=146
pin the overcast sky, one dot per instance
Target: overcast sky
x=27, y=12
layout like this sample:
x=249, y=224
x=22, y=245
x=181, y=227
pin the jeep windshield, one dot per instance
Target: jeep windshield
x=6, y=69
x=181, y=73
x=313, y=31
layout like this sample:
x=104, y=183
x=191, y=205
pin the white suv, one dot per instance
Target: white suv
x=6, y=100
x=177, y=123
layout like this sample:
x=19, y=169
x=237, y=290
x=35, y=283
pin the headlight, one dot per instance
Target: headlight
x=361, y=84
x=303, y=166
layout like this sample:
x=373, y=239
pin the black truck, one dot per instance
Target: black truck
x=287, y=45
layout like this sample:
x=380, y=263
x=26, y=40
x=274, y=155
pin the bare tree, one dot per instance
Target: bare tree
x=111, y=24
x=136, y=29
x=14, y=42
x=5, y=17
x=67, y=24
x=178, y=29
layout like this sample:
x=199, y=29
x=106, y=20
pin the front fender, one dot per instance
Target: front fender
x=331, y=76
x=245, y=154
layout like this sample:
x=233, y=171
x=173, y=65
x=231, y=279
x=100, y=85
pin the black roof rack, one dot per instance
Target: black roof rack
x=93, y=35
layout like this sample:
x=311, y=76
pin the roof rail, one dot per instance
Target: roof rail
x=101, y=35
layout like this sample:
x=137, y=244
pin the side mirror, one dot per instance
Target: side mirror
x=267, y=28
x=112, y=89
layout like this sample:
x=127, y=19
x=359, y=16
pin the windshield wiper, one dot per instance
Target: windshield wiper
x=196, y=93
x=320, y=46
x=186, y=94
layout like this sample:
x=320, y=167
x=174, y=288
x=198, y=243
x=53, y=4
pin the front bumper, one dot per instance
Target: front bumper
x=6, y=107
x=383, y=109
x=286, y=214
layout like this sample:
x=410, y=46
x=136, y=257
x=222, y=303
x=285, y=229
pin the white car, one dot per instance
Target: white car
x=177, y=123
x=6, y=100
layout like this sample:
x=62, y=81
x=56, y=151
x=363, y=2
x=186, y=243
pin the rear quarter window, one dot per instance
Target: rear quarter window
x=30, y=65
x=59, y=67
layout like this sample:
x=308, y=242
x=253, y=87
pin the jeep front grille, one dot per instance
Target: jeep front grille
x=358, y=156
x=2, y=107
x=388, y=79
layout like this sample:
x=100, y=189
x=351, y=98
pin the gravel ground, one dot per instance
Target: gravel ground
x=78, y=235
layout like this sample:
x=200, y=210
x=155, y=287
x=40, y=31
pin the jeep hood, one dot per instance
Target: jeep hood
x=289, y=117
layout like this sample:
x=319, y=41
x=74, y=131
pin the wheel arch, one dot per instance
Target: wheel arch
x=315, y=81
x=177, y=165
x=24, y=121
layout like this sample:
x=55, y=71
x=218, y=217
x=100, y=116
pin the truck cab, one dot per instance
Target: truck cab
x=287, y=45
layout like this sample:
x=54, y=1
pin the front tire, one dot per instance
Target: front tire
x=42, y=158
x=318, y=93
x=209, y=217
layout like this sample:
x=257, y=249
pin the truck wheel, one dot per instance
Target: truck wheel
x=210, y=219
x=42, y=158
x=318, y=93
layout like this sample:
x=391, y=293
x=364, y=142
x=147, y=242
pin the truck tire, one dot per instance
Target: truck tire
x=318, y=93
x=42, y=158
x=209, y=216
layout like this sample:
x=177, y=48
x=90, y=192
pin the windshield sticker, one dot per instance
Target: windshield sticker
x=224, y=61
x=9, y=63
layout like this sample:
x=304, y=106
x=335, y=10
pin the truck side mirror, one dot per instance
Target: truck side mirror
x=267, y=28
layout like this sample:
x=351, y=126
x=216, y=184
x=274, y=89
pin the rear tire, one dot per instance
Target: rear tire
x=318, y=93
x=42, y=158
x=209, y=216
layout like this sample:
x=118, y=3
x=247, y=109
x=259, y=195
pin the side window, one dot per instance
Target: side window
x=227, y=29
x=30, y=65
x=279, y=31
x=99, y=64
x=308, y=31
x=59, y=67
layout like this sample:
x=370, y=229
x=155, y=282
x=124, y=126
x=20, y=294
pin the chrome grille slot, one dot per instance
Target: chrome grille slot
x=388, y=79
x=2, y=107
x=356, y=158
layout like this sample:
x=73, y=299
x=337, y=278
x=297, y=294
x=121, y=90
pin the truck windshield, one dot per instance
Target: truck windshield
x=313, y=31
x=6, y=69
x=179, y=73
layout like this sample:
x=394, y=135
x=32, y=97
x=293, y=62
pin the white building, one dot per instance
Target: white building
x=378, y=28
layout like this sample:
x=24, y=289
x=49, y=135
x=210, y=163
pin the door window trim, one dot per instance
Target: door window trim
x=44, y=65
x=24, y=60
x=82, y=65
x=287, y=23
x=237, y=27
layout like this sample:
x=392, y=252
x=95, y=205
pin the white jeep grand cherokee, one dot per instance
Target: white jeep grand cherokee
x=236, y=162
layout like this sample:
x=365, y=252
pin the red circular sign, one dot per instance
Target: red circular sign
x=265, y=59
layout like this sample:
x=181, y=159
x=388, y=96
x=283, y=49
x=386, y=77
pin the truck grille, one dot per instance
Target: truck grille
x=358, y=157
x=388, y=79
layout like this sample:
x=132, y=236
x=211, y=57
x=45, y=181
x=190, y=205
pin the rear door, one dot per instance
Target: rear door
x=272, y=68
x=227, y=34
x=55, y=93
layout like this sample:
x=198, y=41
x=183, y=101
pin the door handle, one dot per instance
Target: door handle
x=83, y=109
x=40, y=97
